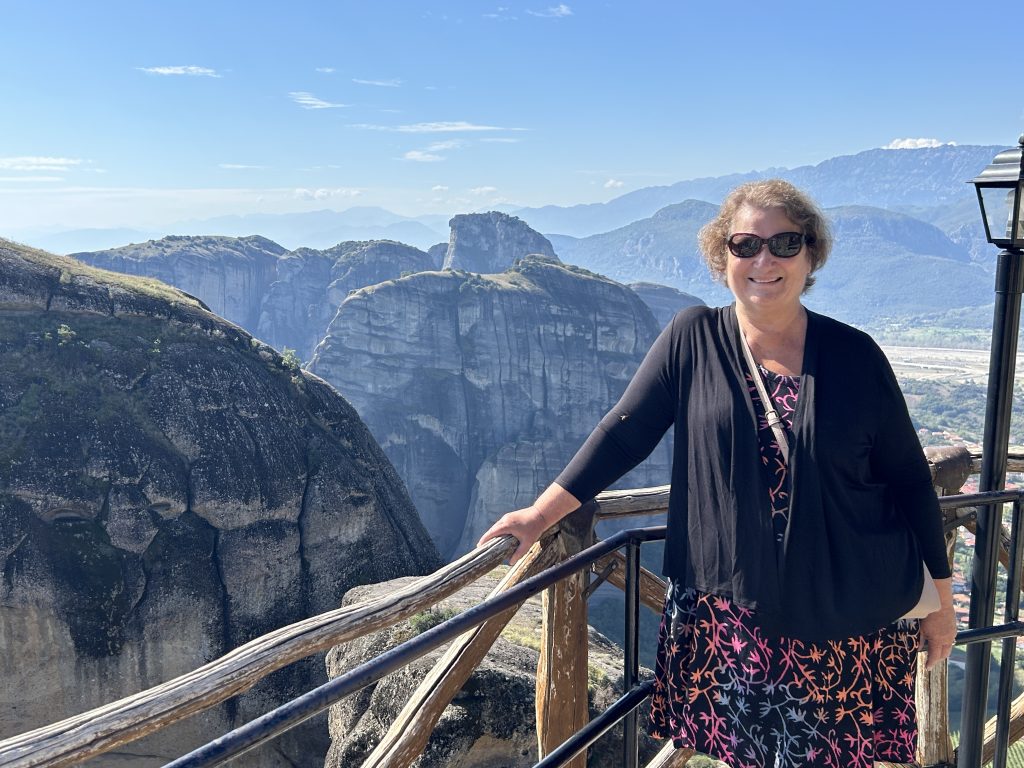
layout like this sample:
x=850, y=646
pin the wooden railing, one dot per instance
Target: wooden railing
x=562, y=670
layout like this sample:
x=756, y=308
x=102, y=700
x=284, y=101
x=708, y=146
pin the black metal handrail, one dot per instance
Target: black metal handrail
x=273, y=723
x=277, y=721
x=973, y=712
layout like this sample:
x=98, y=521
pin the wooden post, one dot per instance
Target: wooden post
x=409, y=734
x=950, y=468
x=564, y=651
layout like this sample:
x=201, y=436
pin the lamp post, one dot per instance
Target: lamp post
x=1000, y=190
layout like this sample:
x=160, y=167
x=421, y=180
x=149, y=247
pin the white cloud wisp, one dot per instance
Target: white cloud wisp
x=918, y=144
x=307, y=100
x=191, y=71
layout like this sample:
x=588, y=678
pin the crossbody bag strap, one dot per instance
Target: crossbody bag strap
x=774, y=420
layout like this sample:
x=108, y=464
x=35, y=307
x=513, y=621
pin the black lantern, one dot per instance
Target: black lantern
x=1000, y=189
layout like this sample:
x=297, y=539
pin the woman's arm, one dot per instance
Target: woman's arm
x=624, y=437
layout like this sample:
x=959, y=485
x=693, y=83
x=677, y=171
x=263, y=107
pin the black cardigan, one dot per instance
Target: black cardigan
x=863, y=510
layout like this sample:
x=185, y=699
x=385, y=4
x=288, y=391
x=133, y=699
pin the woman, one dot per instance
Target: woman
x=781, y=641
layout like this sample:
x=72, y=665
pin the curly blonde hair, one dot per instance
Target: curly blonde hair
x=770, y=193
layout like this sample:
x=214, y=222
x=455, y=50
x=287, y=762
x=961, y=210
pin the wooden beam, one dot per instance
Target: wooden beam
x=634, y=501
x=91, y=733
x=988, y=748
x=652, y=588
x=562, y=668
x=408, y=735
x=670, y=757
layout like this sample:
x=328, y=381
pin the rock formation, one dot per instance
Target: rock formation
x=311, y=285
x=491, y=721
x=491, y=242
x=170, y=488
x=286, y=298
x=229, y=274
x=664, y=301
x=480, y=387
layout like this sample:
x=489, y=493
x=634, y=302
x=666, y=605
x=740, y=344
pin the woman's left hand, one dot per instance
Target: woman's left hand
x=938, y=630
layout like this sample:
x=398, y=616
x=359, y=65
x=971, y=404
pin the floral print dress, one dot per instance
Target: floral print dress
x=725, y=688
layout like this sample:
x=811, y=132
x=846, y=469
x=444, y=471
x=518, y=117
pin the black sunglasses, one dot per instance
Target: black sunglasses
x=785, y=245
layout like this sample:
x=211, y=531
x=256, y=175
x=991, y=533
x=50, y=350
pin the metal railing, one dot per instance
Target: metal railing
x=973, y=714
x=287, y=716
x=958, y=509
x=639, y=588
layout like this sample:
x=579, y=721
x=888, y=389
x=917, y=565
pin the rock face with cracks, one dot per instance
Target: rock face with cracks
x=480, y=388
x=170, y=489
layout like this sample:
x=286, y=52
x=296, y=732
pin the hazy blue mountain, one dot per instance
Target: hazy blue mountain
x=884, y=178
x=314, y=229
x=660, y=249
x=73, y=240
x=663, y=301
x=886, y=265
x=325, y=228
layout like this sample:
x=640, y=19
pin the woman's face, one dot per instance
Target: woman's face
x=764, y=282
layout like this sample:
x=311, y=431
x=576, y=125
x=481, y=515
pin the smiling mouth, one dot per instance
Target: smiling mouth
x=764, y=281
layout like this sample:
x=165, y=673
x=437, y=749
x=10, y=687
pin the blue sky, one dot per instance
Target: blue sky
x=144, y=113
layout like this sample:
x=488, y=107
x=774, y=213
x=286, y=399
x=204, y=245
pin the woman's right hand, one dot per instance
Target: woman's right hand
x=526, y=525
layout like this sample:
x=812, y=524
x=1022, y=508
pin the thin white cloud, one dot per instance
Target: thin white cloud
x=454, y=126
x=325, y=194
x=483, y=191
x=394, y=83
x=326, y=70
x=419, y=156
x=441, y=146
x=439, y=188
x=559, y=11
x=240, y=167
x=917, y=144
x=613, y=184
x=30, y=163
x=500, y=140
x=19, y=179
x=307, y=100
x=191, y=71
x=501, y=12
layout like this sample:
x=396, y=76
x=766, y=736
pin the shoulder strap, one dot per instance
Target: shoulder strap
x=774, y=420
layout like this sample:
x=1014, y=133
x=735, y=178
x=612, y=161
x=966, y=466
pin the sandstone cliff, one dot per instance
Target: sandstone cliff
x=169, y=489
x=311, y=285
x=229, y=274
x=491, y=721
x=480, y=387
x=491, y=242
x=287, y=298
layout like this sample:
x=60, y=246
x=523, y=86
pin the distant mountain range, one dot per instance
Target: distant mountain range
x=928, y=184
x=884, y=264
x=931, y=180
x=314, y=229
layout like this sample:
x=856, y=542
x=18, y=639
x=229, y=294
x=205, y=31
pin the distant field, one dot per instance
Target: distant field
x=941, y=363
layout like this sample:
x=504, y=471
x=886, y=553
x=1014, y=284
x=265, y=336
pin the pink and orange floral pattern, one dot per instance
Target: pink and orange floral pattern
x=727, y=689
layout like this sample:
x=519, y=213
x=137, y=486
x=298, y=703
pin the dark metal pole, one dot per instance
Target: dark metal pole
x=1007, y=662
x=631, y=647
x=1002, y=360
